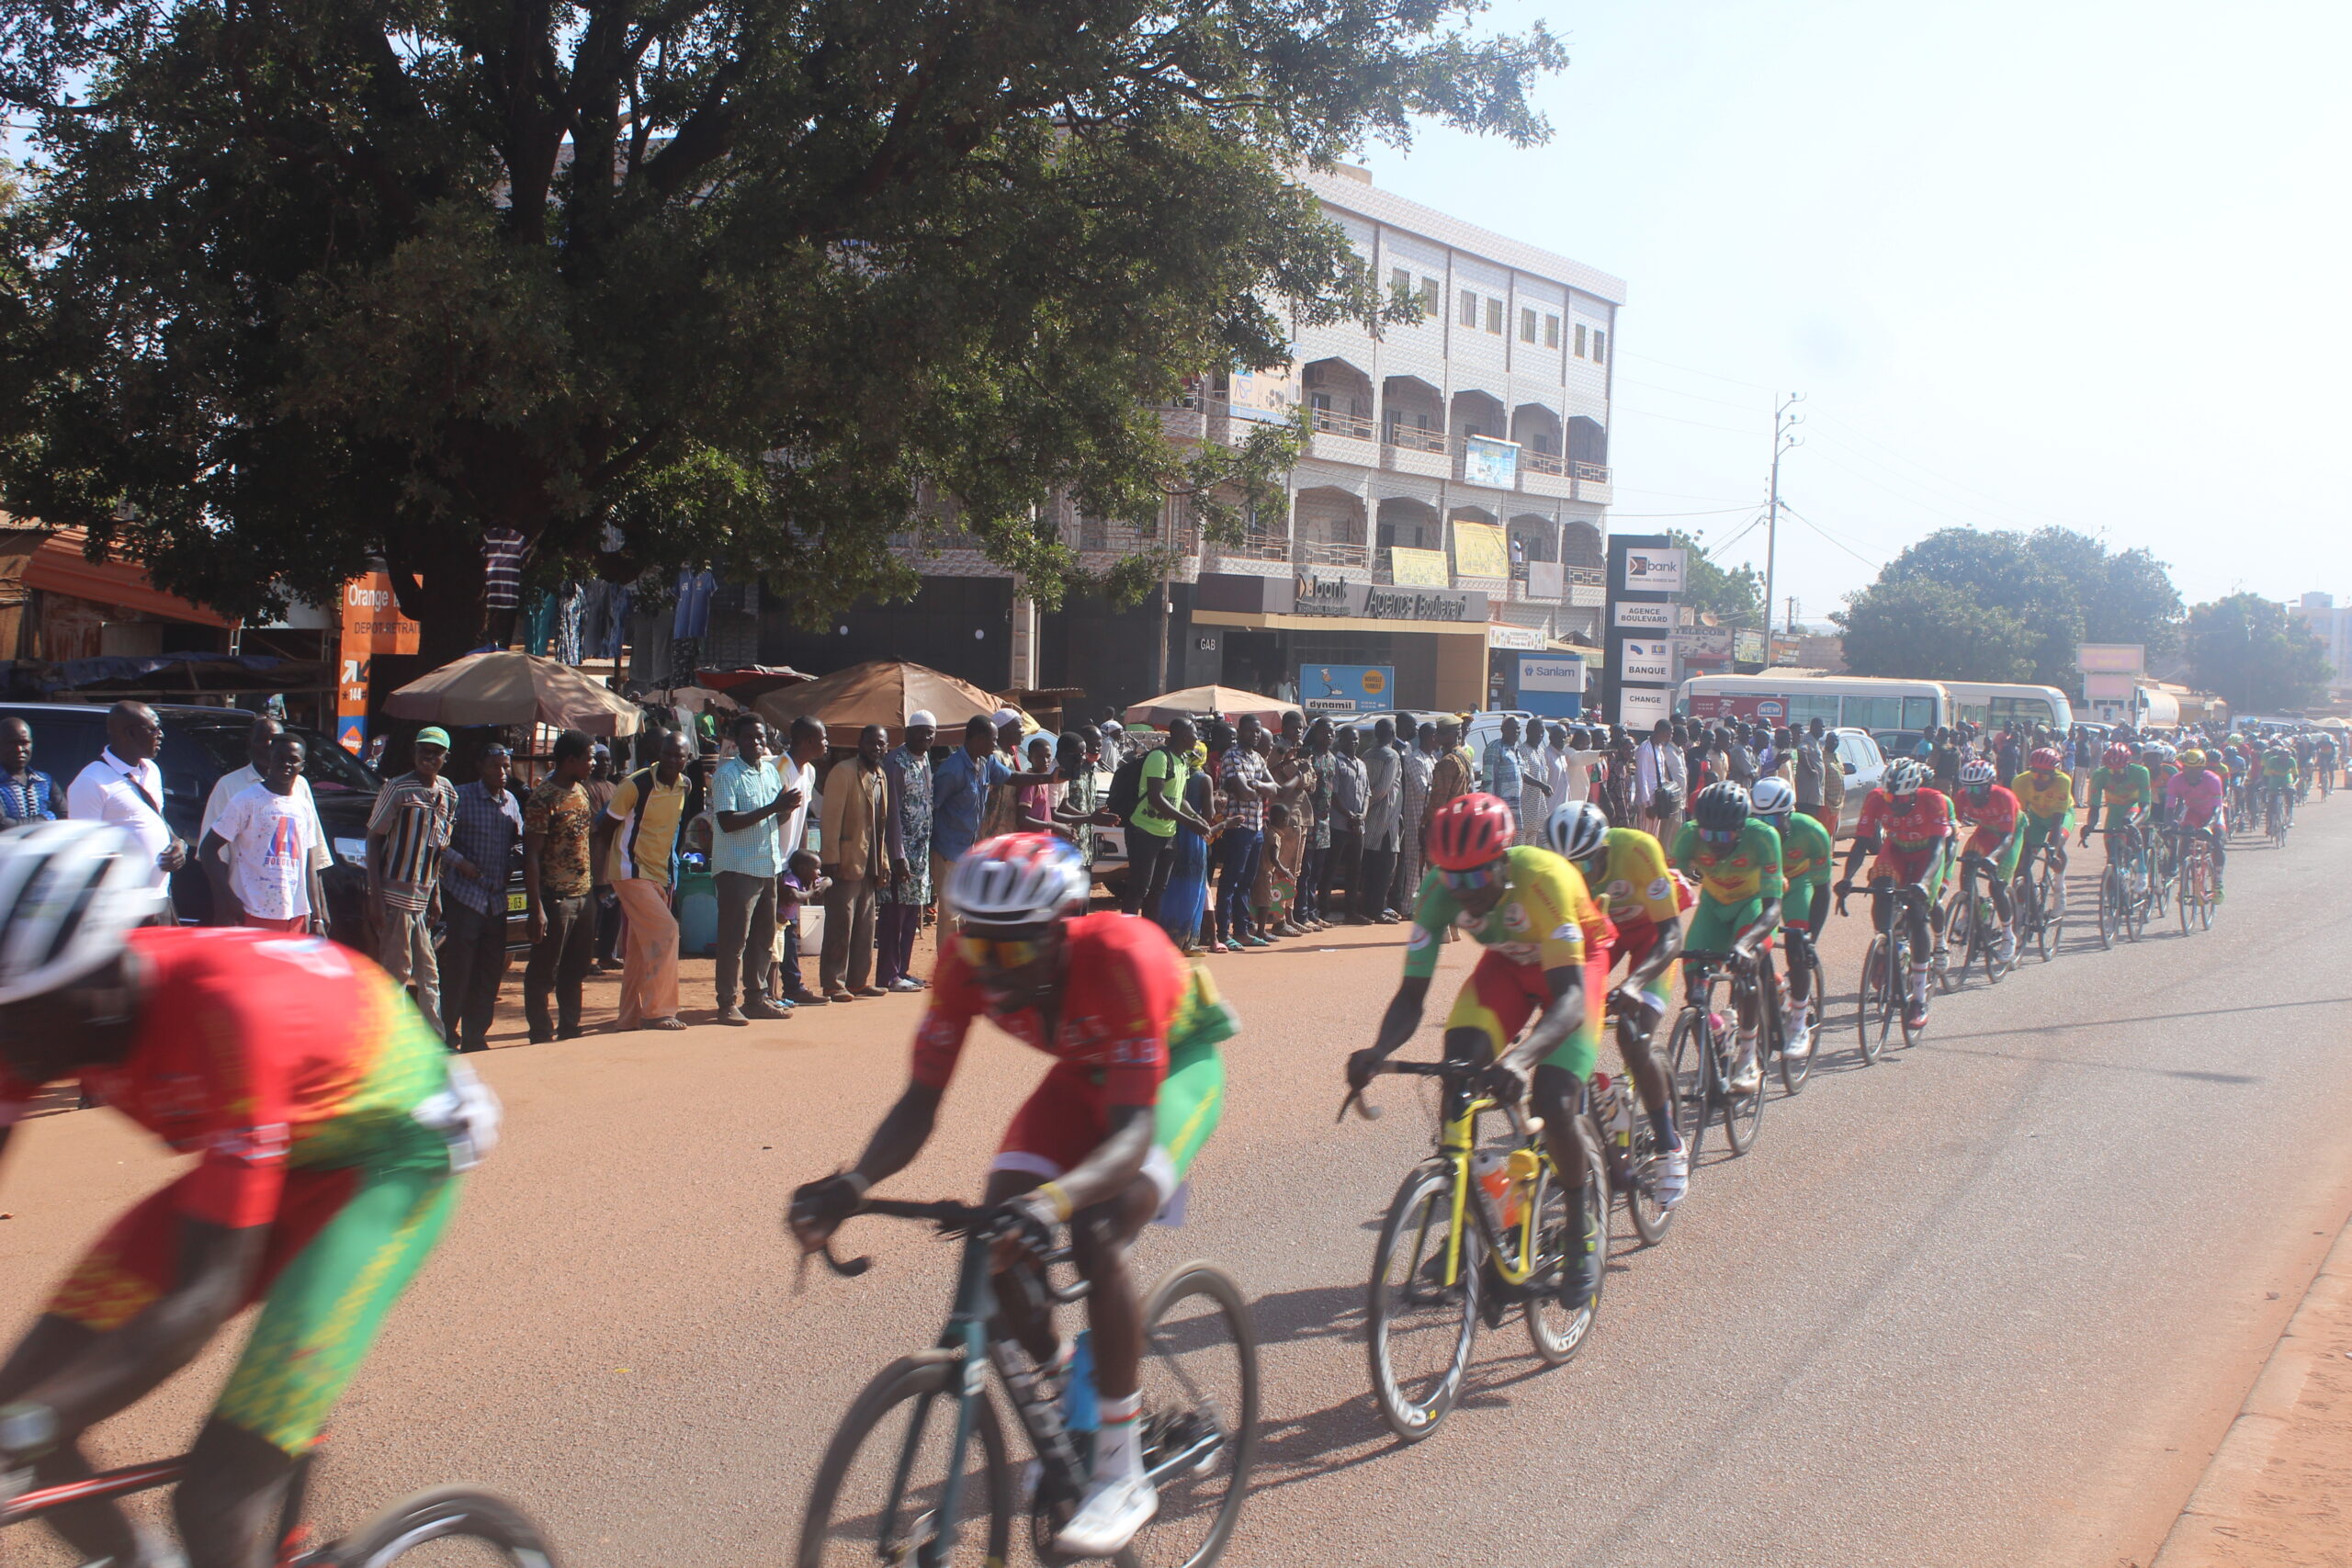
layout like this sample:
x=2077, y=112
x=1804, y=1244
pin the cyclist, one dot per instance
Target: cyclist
x=2046, y=795
x=2277, y=777
x=1993, y=812
x=1735, y=856
x=2119, y=787
x=1101, y=1144
x=2323, y=760
x=1545, y=959
x=1626, y=868
x=2196, y=797
x=330, y=1123
x=1908, y=827
x=1807, y=857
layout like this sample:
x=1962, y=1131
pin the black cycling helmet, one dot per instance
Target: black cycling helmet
x=1721, y=808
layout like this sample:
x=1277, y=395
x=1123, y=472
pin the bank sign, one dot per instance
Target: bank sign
x=1371, y=602
x=1347, y=688
x=1644, y=660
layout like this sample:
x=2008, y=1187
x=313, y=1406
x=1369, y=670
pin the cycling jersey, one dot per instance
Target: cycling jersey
x=2195, y=798
x=2120, y=791
x=2053, y=799
x=1544, y=920
x=1138, y=1026
x=321, y=1105
x=1994, y=821
x=1911, y=835
x=1640, y=892
x=1806, y=852
x=2278, y=770
x=1738, y=873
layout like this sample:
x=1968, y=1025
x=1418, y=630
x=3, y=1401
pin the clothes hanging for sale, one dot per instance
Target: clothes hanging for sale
x=603, y=618
x=683, y=652
x=501, y=568
x=569, y=606
x=692, y=620
x=538, y=621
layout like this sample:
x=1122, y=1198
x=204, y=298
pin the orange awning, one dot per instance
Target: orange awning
x=59, y=567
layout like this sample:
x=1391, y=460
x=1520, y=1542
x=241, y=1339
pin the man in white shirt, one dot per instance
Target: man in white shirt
x=259, y=853
x=258, y=744
x=126, y=788
x=1658, y=763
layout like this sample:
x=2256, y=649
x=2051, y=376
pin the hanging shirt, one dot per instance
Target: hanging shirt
x=693, y=617
x=501, y=568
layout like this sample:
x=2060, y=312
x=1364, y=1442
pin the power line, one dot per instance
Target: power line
x=1946, y=479
x=1718, y=512
x=1905, y=479
x=1676, y=419
x=1676, y=392
x=1709, y=374
x=1825, y=534
x=1729, y=501
x=1914, y=500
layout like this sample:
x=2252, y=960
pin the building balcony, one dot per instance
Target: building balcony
x=1592, y=482
x=1536, y=582
x=1412, y=449
x=1342, y=438
x=1588, y=586
x=1340, y=553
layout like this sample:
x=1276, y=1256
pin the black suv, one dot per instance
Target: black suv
x=200, y=744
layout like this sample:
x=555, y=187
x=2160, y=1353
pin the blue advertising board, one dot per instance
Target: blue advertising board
x=1347, y=688
x=1552, y=684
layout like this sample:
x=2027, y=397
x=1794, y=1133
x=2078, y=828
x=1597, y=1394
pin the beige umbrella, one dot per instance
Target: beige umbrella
x=693, y=699
x=884, y=692
x=1230, y=702
x=514, y=688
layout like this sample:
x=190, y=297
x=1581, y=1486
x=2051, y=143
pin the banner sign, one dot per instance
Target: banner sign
x=1654, y=572
x=1747, y=647
x=1346, y=688
x=2102, y=687
x=1552, y=684
x=1646, y=616
x=1499, y=635
x=1640, y=708
x=1262, y=400
x=1368, y=601
x=2111, y=657
x=1418, y=569
x=1644, y=660
x=1488, y=462
x=372, y=623
x=1479, y=549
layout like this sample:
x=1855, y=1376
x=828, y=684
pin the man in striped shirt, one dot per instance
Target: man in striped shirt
x=406, y=835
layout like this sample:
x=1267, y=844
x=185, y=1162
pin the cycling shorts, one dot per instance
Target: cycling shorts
x=1925, y=864
x=1637, y=944
x=1502, y=997
x=2036, y=830
x=1068, y=1116
x=1796, y=903
x=1715, y=925
x=2006, y=862
x=345, y=1242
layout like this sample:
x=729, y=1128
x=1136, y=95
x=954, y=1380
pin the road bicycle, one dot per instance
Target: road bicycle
x=1452, y=1254
x=498, y=1530
x=2039, y=898
x=1886, y=967
x=1794, y=1070
x=1718, y=989
x=903, y=1477
x=1973, y=927
x=2200, y=888
x=2276, y=819
x=2122, y=891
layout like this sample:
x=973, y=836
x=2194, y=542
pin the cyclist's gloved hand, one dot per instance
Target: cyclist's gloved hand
x=1029, y=1222
x=27, y=1432
x=819, y=1208
x=1362, y=1067
x=1634, y=1003
x=1501, y=1084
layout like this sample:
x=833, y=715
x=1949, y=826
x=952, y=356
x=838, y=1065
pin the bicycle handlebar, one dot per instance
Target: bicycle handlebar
x=951, y=1218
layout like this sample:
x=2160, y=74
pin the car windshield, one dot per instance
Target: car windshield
x=332, y=772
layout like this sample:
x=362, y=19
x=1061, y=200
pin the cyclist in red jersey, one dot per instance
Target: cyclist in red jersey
x=330, y=1122
x=1101, y=1144
x=1993, y=815
x=1909, y=827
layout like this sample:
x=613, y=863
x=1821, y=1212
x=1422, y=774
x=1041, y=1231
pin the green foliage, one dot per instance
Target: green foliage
x=757, y=284
x=1735, y=598
x=2255, y=655
x=2053, y=589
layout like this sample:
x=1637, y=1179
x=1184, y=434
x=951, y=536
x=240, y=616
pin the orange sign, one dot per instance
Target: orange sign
x=372, y=623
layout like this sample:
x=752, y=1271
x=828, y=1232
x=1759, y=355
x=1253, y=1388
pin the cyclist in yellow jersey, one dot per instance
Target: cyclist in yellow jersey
x=1542, y=937
x=2045, y=793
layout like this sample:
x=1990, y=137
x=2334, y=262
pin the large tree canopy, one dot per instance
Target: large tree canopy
x=2255, y=654
x=1735, y=598
x=295, y=283
x=2044, y=593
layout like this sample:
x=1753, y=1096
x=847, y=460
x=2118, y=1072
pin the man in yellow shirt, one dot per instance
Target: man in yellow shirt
x=638, y=842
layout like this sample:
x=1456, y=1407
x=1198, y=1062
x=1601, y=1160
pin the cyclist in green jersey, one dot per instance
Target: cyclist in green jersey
x=2121, y=788
x=1806, y=854
x=1735, y=857
x=2277, y=773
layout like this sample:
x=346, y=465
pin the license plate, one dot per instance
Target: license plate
x=516, y=904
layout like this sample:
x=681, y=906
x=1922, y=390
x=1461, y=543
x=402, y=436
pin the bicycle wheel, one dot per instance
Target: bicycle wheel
x=1794, y=1073
x=1421, y=1327
x=905, y=1424
x=1873, y=1016
x=1649, y=1216
x=1960, y=927
x=1200, y=1415
x=2110, y=906
x=1557, y=1333
x=2205, y=892
x=1898, y=997
x=476, y=1527
x=1744, y=1113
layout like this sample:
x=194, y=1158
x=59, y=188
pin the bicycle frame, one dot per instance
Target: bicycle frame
x=136, y=1478
x=1457, y=1141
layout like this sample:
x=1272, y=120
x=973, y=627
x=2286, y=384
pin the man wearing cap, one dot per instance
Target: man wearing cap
x=407, y=833
x=483, y=834
x=748, y=801
x=906, y=836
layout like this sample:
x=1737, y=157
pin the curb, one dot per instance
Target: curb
x=2239, y=1492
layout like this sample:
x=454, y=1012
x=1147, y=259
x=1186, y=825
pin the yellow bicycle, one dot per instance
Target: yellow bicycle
x=1471, y=1233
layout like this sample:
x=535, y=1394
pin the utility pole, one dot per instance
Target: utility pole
x=1792, y=614
x=1785, y=439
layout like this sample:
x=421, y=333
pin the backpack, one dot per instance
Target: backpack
x=1127, y=788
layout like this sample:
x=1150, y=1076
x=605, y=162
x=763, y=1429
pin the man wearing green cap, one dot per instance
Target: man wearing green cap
x=406, y=835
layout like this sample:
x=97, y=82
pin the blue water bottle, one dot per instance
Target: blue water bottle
x=1081, y=1410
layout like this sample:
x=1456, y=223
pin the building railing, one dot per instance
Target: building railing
x=1257, y=547
x=1331, y=552
x=1329, y=422
x=1542, y=462
x=1586, y=576
x=1416, y=438
x=1592, y=473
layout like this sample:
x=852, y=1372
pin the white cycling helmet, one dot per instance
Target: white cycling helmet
x=69, y=892
x=1773, y=797
x=1907, y=776
x=1578, y=829
x=1018, y=879
x=1977, y=772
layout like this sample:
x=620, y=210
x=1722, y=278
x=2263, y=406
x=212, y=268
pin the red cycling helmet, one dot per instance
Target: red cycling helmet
x=2044, y=759
x=1469, y=831
x=2118, y=756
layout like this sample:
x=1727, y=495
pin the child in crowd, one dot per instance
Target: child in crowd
x=803, y=881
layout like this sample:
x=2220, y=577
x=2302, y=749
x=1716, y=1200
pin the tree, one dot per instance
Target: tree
x=750, y=283
x=1735, y=598
x=1922, y=629
x=2255, y=655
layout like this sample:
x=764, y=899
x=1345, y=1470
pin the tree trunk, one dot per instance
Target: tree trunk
x=437, y=579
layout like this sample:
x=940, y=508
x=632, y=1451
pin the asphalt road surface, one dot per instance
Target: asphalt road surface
x=1993, y=1300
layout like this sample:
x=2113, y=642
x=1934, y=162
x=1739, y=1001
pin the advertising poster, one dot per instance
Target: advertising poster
x=1347, y=688
x=1640, y=708
x=1644, y=659
x=372, y=623
x=1552, y=684
x=1479, y=549
x=1654, y=572
x=1747, y=647
x=1488, y=462
x=1263, y=399
x=1418, y=569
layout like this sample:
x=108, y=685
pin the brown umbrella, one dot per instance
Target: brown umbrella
x=883, y=693
x=748, y=683
x=1230, y=702
x=693, y=699
x=514, y=688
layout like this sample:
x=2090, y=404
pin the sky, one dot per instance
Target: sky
x=2028, y=262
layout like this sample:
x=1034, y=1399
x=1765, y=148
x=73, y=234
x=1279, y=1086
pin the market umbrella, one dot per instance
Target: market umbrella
x=883, y=691
x=1230, y=702
x=499, y=687
x=748, y=683
x=693, y=699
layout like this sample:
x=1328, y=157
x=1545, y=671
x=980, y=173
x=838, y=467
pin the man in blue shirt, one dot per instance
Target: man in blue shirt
x=26, y=795
x=748, y=798
x=1502, y=766
x=959, y=795
x=482, y=837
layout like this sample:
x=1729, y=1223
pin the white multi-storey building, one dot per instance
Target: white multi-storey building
x=2333, y=627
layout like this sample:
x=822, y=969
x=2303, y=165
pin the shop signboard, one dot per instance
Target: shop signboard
x=1704, y=648
x=2112, y=657
x=1479, y=549
x=1410, y=567
x=1653, y=571
x=1488, y=462
x=1266, y=398
x=2101, y=686
x=1338, y=597
x=372, y=623
x=1640, y=708
x=1747, y=647
x=1552, y=684
x=1347, y=688
x=1644, y=659
x=1644, y=616
x=1500, y=634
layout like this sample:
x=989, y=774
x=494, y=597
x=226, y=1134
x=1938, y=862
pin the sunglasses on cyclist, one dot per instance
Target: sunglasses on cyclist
x=994, y=955
x=1719, y=835
x=1470, y=880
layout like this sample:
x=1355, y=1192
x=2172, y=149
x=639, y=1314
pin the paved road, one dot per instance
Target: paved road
x=1992, y=1301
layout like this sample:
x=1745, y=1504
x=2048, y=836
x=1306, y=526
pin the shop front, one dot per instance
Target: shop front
x=1367, y=646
